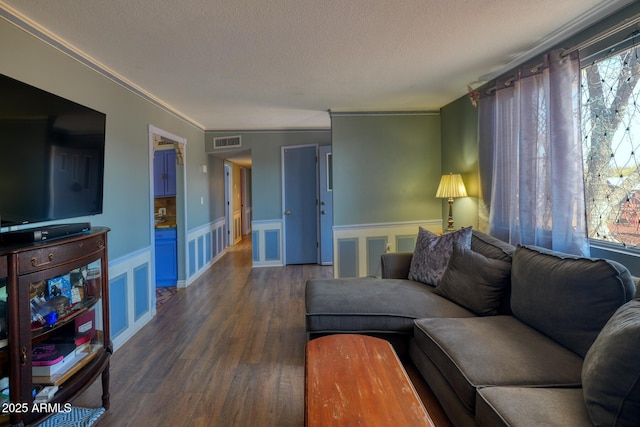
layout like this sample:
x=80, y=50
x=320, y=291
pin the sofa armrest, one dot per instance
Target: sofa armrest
x=396, y=265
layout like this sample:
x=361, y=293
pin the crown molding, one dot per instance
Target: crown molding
x=24, y=23
x=555, y=39
x=334, y=113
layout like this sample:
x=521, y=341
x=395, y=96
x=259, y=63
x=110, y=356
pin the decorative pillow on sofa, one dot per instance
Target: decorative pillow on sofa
x=611, y=372
x=566, y=297
x=474, y=281
x=432, y=253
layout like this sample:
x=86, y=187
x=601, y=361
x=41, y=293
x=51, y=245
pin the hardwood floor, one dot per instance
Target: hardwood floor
x=226, y=351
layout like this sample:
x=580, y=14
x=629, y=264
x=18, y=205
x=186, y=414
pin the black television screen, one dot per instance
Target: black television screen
x=51, y=156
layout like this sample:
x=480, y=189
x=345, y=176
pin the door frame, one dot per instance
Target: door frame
x=325, y=166
x=283, y=207
x=228, y=203
x=244, y=184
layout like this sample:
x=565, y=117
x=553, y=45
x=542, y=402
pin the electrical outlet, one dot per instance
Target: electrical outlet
x=388, y=248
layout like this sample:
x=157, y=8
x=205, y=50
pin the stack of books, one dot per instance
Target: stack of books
x=56, y=357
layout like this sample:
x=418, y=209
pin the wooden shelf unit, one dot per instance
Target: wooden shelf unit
x=24, y=265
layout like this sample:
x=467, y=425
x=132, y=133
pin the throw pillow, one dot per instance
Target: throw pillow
x=432, y=253
x=474, y=281
x=491, y=247
x=611, y=373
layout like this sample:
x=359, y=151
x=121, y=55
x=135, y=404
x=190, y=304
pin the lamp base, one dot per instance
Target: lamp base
x=450, y=228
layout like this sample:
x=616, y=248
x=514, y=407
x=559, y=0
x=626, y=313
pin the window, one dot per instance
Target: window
x=611, y=146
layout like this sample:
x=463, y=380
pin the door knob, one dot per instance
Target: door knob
x=323, y=212
x=287, y=212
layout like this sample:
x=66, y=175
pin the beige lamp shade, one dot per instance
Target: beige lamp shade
x=451, y=186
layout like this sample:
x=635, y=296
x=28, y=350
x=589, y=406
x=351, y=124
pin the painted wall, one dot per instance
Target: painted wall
x=216, y=187
x=386, y=168
x=266, y=176
x=459, y=121
x=127, y=185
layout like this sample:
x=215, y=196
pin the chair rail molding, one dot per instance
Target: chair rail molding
x=358, y=247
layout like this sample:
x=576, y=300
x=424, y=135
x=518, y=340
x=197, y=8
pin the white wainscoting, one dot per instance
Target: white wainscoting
x=132, y=296
x=357, y=248
x=267, y=243
x=205, y=245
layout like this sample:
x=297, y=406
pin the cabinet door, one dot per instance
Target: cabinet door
x=159, y=174
x=170, y=171
x=164, y=173
x=166, y=262
x=70, y=291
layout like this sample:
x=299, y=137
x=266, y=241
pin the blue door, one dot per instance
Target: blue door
x=300, y=204
x=326, y=204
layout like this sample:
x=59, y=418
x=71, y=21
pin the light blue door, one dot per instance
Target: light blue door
x=326, y=204
x=300, y=204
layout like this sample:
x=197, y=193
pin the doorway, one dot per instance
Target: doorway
x=236, y=202
x=167, y=194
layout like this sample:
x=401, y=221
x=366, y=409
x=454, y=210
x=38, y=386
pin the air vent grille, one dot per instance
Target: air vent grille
x=227, y=142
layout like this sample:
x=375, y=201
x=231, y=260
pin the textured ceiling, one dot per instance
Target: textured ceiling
x=273, y=64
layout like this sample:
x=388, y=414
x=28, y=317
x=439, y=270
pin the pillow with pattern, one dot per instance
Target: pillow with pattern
x=475, y=281
x=432, y=253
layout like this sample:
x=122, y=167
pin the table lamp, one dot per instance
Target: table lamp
x=451, y=186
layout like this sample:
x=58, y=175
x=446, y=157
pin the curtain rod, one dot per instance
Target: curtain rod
x=602, y=36
x=579, y=46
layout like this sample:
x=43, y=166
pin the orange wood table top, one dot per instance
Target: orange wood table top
x=358, y=380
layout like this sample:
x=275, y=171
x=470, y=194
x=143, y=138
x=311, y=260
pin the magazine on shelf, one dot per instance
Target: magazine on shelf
x=55, y=358
x=83, y=356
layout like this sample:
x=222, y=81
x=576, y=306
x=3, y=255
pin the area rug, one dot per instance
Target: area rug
x=76, y=417
x=164, y=294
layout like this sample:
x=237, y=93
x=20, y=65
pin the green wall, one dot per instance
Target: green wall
x=216, y=187
x=266, y=176
x=459, y=121
x=386, y=167
x=127, y=185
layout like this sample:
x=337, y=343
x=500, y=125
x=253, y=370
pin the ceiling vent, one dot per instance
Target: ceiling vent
x=226, y=142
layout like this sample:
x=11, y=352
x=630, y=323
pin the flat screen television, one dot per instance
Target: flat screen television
x=51, y=156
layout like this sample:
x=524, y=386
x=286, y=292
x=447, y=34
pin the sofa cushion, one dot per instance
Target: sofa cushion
x=432, y=253
x=372, y=305
x=491, y=247
x=494, y=351
x=568, y=298
x=474, y=281
x=531, y=407
x=611, y=372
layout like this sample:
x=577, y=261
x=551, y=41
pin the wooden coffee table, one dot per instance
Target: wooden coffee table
x=358, y=380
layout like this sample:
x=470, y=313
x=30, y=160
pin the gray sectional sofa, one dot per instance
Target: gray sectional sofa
x=503, y=335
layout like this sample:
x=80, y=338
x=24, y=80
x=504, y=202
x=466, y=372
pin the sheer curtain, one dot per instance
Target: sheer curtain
x=531, y=170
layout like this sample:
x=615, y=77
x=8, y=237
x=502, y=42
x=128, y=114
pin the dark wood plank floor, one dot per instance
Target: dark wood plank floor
x=226, y=351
